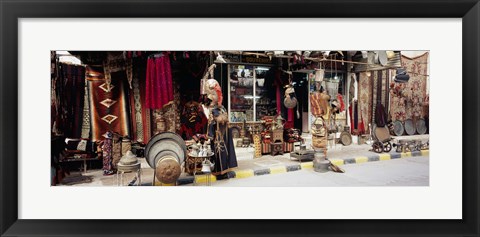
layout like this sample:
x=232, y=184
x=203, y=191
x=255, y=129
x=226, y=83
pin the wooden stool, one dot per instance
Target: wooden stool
x=276, y=148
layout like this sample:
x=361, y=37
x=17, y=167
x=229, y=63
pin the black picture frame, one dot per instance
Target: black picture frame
x=11, y=11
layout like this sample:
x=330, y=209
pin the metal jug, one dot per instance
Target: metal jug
x=207, y=166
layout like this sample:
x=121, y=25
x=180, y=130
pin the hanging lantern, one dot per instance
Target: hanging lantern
x=319, y=75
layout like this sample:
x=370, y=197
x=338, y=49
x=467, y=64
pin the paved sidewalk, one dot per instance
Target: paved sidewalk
x=338, y=154
x=248, y=166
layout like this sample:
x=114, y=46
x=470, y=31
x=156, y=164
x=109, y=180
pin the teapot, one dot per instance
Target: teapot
x=207, y=166
x=193, y=150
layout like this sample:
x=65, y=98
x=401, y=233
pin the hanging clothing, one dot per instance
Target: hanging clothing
x=341, y=102
x=159, y=86
x=222, y=145
x=70, y=93
x=354, y=117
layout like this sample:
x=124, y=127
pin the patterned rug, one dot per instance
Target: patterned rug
x=372, y=90
x=365, y=99
x=109, y=109
x=408, y=103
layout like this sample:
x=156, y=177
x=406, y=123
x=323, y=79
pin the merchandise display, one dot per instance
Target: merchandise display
x=174, y=116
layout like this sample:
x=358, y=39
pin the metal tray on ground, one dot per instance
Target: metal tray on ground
x=302, y=155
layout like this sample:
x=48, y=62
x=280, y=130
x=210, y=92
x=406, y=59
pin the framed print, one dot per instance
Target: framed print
x=150, y=103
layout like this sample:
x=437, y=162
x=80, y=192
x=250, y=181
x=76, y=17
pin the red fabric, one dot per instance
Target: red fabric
x=218, y=89
x=159, y=86
x=340, y=101
x=289, y=123
x=361, y=126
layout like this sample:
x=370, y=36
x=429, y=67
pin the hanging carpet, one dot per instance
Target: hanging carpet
x=140, y=114
x=409, y=103
x=365, y=99
x=69, y=90
x=109, y=109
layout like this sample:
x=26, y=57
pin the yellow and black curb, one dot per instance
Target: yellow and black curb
x=246, y=173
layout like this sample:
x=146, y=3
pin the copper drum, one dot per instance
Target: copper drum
x=168, y=170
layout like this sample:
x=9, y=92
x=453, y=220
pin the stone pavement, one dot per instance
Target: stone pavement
x=338, y=154
x=248, y=166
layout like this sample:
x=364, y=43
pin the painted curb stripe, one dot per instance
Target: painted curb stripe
x=231, y=174
x=384, y=156
x=361, y=159
x=291, y=168
x=244, y=174
x=395, y=155
x=337, y=162
x=203, y=178
x=304, y=165
x=187, y=180
x=350, y=161
x=307, y=165
x=278, y=170
x=373, y=158
x=158, y=183
x=261, y=172
x=416, y=153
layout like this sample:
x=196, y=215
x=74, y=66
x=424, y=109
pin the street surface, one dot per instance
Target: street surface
x=411, y=171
